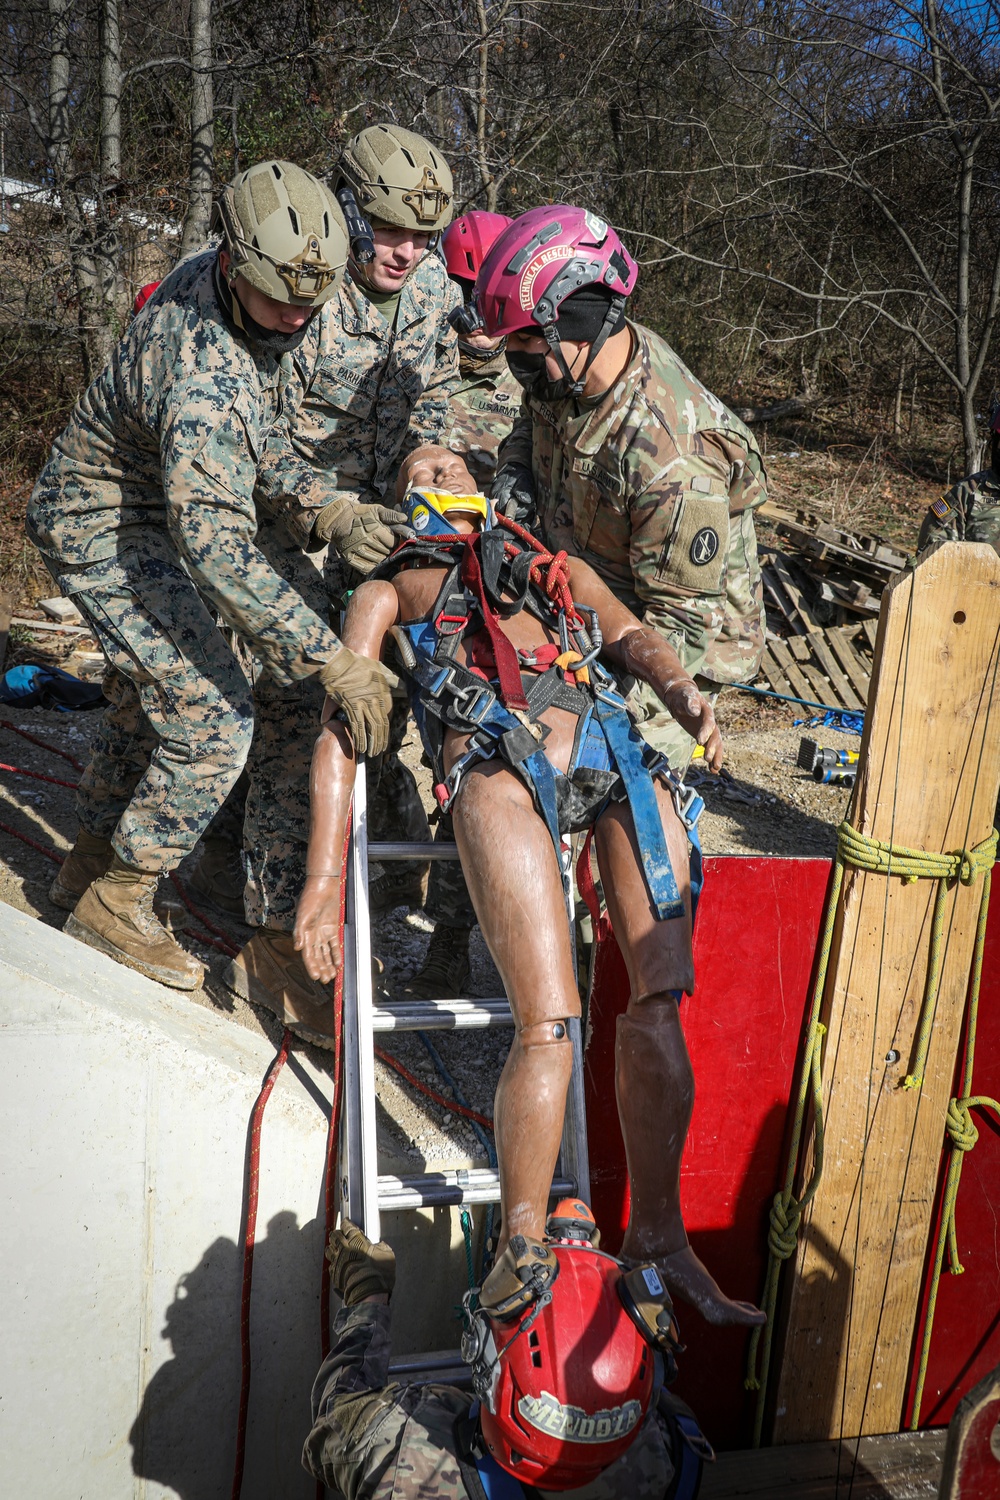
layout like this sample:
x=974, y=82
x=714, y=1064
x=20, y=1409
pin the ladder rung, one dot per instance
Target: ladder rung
x=418, y=1369
x=412, y=851
x=460, y=1185
x=441, y=1015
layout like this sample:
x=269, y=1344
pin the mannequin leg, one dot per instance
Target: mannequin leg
x=654, y=1080
x=514, y=881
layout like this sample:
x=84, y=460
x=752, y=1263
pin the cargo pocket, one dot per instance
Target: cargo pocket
x=696, y=556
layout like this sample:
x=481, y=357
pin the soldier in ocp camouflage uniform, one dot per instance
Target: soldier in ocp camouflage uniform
x=143, y=514
x=970, y=511
x=623, y=457
x=372, y=1440
x=372, y=382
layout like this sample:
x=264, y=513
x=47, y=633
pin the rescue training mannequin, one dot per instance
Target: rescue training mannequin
x=504, y=808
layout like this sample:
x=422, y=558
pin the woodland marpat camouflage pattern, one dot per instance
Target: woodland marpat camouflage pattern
x=391, y=1442
x=378, y=392
x=368, y=393
x=969, y=512
x=481, y=413
x=159, y=459
x=656, y=487
x=144, y=514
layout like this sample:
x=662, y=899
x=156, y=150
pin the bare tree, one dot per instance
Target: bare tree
x=200, y=177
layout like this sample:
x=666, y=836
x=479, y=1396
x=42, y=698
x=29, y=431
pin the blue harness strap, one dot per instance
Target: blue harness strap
x=626, y=747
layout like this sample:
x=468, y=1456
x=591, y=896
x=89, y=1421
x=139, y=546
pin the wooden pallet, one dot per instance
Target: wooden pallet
x=831, y=667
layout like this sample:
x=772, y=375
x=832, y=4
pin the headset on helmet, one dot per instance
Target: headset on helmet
x=398, y=178
x=284, y=232
x=565, y=1389
x=467, y=240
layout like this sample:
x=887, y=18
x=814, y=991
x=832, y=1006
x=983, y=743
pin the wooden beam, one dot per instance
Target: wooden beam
x=901, y=1465
x=927, y=779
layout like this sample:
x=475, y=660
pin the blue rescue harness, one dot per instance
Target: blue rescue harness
x=609, y=761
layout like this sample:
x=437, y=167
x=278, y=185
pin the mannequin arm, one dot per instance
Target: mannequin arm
x=643, y=652
x=373, y=609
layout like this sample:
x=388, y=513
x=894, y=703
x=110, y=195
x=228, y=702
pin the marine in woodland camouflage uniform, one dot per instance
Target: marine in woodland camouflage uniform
x=370, y=389
x=143, y=514
x=655, y=486
x=969, y=512
x=483, y=409
x=390, y=1442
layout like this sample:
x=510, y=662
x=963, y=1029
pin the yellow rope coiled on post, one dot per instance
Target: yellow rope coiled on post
x=874, y=857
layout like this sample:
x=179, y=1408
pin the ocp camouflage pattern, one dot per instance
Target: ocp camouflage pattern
x=481, y=413
x=368, y=393
x=159, y=460
x=969, y=512
x=375, y=1441
x=656, y=487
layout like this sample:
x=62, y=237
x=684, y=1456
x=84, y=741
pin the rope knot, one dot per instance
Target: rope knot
x=783, y=1233
x=967, y=867
x=960, y=1126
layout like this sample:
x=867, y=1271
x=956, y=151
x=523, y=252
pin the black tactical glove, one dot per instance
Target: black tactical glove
x=362, y=534
x=513, y=493
x=360, y=689
x=357, y=1267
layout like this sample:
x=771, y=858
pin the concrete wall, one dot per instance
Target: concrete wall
x=123, y=1125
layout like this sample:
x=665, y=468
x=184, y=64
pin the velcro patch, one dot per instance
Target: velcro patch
x=941, y=508
x=610, y=483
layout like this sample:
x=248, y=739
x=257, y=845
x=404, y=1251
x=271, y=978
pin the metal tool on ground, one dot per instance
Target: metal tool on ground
x=365, y=1193
x=812, y=755
x=835, y=775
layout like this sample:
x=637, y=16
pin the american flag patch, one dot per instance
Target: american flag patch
x=941, y=508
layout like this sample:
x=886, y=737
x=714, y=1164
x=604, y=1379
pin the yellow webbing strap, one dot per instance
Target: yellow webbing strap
x=862, y=853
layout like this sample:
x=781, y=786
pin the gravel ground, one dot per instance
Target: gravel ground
x=764, y=804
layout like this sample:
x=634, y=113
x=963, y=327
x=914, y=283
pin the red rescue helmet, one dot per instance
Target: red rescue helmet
x=142, y=296
x=466, y=241
x=566, y=1387
x=544, y=257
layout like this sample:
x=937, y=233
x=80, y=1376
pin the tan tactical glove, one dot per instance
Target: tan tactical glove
x=360, y=690
x=362, y=534
x=357, y=1267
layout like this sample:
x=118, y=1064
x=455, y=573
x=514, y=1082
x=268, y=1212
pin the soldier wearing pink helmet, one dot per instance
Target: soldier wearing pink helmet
x=621, y=454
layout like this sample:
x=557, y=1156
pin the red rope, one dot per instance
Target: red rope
x=37, y=776
x=53, y=749
x=249, y=1233
x=456, y=1109
x=34, y=844
x=556, y=564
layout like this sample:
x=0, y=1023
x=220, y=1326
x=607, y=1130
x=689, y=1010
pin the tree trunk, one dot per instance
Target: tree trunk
x=199, y=209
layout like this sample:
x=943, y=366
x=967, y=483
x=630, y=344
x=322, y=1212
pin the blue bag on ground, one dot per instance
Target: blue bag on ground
x=48, y=687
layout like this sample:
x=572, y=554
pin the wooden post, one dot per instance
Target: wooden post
x=927, y=779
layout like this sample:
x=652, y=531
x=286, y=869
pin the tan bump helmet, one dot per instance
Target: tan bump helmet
x=285, y=232
x=399, y=178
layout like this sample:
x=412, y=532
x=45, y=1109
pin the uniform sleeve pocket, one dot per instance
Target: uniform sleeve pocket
x=695, y=556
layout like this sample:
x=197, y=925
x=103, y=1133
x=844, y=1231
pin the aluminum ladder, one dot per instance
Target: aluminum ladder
x=365, y=1194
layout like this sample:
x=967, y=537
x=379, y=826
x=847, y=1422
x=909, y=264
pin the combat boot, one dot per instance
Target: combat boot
x=396, y=883
x=219, y=876
x=115, y=915
x=444, y=973
x=269, y=972
x=87, y=861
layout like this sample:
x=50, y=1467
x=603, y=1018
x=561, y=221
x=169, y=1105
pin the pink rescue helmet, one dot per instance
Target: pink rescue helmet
x=466, y=241
x=544, y=257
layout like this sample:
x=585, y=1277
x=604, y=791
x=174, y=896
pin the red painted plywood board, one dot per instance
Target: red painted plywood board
x=755, y=945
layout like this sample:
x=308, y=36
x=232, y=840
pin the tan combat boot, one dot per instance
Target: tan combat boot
x=219, y=876
x=269, y=972
x=86, y=862
x=115, y=915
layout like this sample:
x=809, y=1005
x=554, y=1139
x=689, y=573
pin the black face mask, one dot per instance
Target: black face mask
x=530, y=373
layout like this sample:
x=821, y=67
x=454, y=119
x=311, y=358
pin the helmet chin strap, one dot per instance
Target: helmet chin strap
x=575, y=384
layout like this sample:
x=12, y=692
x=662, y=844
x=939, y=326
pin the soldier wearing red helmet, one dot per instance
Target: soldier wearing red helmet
x=569, y=1400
